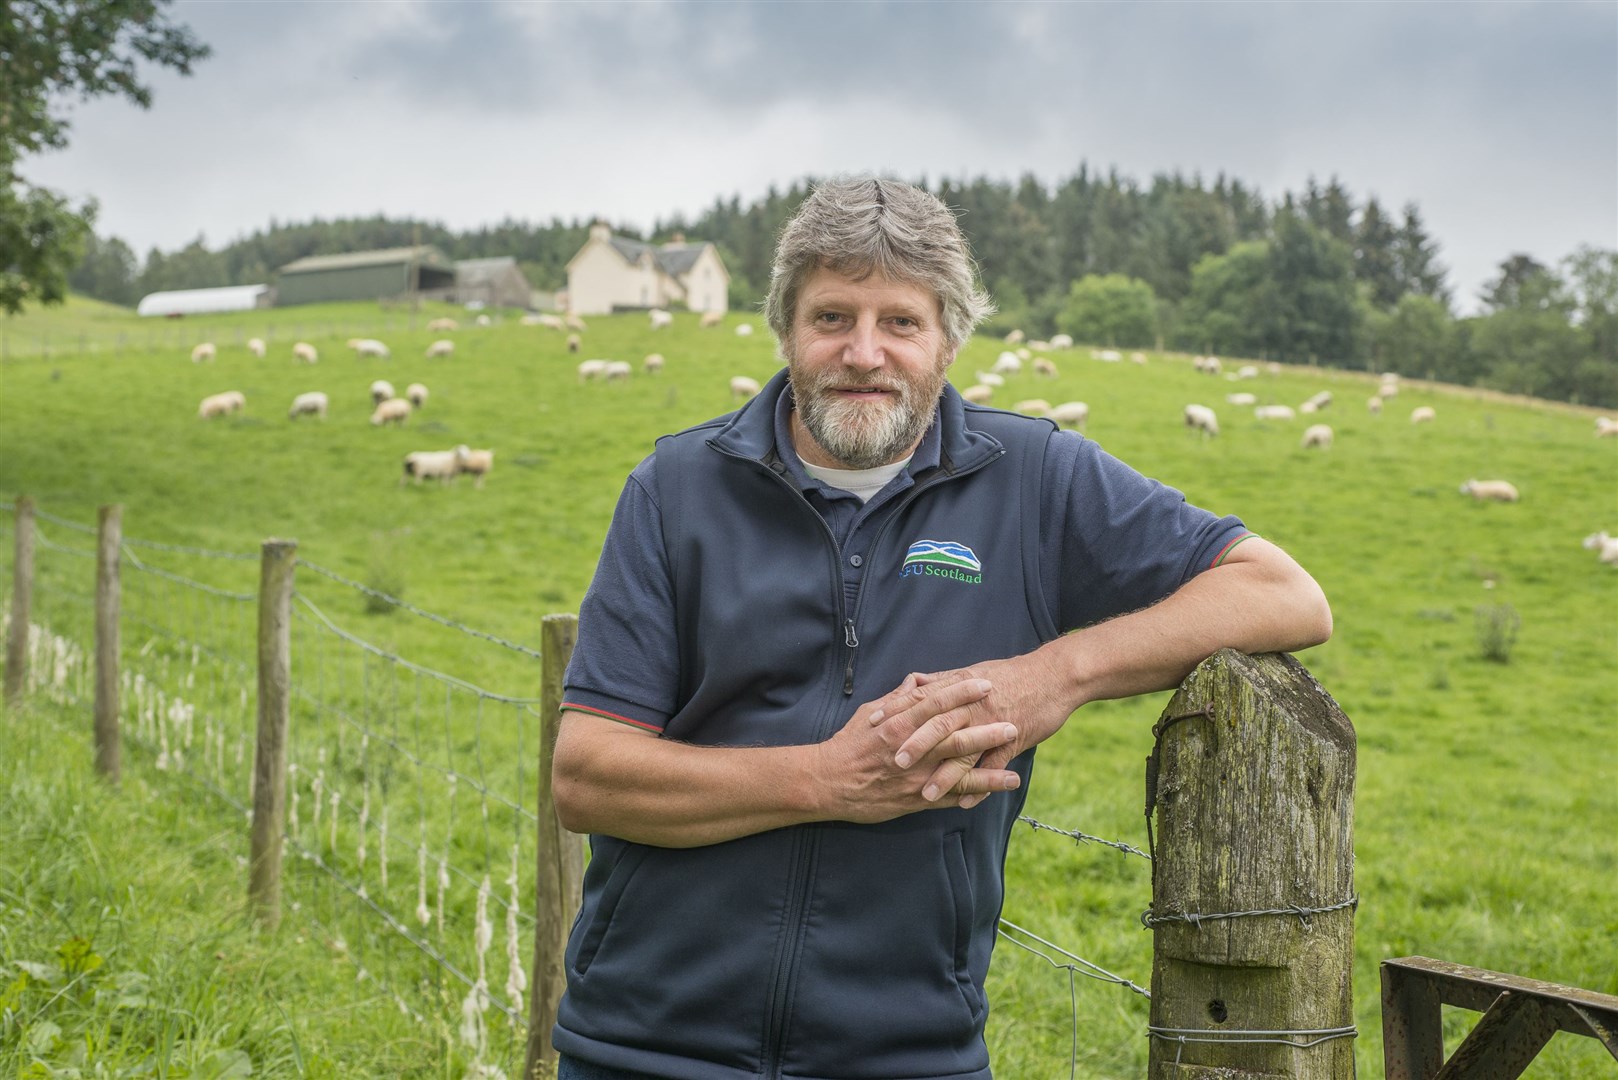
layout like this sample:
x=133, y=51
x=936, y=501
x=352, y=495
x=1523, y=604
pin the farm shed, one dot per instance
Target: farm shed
x=364, y=275
x=204, y=301
x=614, y=273
x=497, y=282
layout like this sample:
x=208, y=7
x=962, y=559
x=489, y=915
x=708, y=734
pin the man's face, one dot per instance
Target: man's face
x=867, y=361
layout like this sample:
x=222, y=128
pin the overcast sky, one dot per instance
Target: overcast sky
x=1499, y=119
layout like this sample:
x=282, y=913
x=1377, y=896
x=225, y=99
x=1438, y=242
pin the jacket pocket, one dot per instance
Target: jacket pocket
x=613, y=891
x=963, y=906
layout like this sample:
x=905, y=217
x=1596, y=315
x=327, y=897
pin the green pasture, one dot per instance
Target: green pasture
x=1487, y=817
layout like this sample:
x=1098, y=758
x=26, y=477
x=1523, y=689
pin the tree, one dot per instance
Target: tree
x=1417, y=338
x=1376, y=258
x=1420, y=272
x=1231, y=306
x=107, y=271
x=1317, y=317
x=1523, y=281
x=1110, y=309
x=52, y=51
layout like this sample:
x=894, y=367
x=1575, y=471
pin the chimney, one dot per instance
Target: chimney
x=600, y=230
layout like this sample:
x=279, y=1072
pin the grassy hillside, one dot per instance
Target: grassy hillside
x=1487, y=819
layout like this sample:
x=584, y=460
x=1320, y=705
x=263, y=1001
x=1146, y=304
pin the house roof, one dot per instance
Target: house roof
x=476, y=271
x=675, y=260
x=202, y=301
x=426, y=254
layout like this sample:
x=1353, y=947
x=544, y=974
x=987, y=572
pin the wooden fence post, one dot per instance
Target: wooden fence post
x=559, y=885
x=1252, y=917
x=270, y=753
x=109, y=747
x=22, y=601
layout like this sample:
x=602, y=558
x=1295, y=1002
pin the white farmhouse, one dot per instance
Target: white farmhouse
x=613, y=273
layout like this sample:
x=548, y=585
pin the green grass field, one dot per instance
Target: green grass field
x=1487, y=810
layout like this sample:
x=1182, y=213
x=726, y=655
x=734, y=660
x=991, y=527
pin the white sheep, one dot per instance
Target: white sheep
x=1062, y=341
x=1137, y=358
x=711, y=318
x=476, y=462
x=660, y=318
x=573, y=343
x=381, y=390
x=311, y=404
x=1247, y=371
x=1319, y=435
x=744, y=329
x=392, y=411
x=441, y=465
x=1108, y=356
x=1202, y=418
x=443, y=347
x=1316, y=402
x=221, y=404
x=255, y=345
x=1606, y=427
x=653, y=362
x=416, y=394
x=484, y=320
x=435, y=326
x=618, y=370
x=978, y=394
x=1387, y=390
x=1044, y=368
x=1273, y=367
x=1025, y=353
x=1070, y=414
x=204, y=351
x=1373, y=404
x=573, y=322
x=1208, y=365
x=305, y=352
x=1422, y=414
x=1499, y=490
x=1606, y=547
x=989, y=378
x=592, y=369
x=369, y=347
x=742, y=387
x=553, y=322
x=1274, y=412
x=1007, y=363
x=1241, y=399
x=1033, y=407
x=1016, y=337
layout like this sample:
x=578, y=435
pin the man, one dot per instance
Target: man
x=824, y=637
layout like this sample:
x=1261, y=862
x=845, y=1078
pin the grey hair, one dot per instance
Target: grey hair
x=863, y=225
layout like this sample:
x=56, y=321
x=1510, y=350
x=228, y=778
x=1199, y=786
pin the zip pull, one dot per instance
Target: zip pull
x=853, y=642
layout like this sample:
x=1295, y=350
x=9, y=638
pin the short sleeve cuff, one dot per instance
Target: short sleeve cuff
x=612, y=708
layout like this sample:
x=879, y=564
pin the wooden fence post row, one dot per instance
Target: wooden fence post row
x=279, y=561
x=559, y=854
x=22, y=600
x=109, y=742
x=1252, y=916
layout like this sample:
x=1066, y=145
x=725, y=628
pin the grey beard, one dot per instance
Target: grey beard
x=853, y=438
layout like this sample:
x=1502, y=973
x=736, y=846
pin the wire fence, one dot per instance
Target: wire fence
x=411, y=814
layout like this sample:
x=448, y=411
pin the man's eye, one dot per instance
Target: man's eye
x=904, y=323
x=830, y=317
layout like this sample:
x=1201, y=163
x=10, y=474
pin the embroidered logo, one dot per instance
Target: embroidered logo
x=942, y=558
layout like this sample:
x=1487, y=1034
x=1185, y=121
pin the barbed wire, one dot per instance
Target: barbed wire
x=414, y=610
x=179, y=579
x=1079, y=966
x=49, y=545
x=1181, y=1036
x=64, y=522
x=185, y=549
x=1083, y=838
x=1149, y=920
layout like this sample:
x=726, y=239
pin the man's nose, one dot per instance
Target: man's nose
x=864, y=348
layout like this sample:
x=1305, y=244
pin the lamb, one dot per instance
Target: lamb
x=744, y=329
x=652, y=363
x=369, y=347
x=221, y=404
x=660, y=318
x=441, y=348
x=1044, y=368
x=1606, y=427
x=1499, y=490
x=1070, y=414
x=1422, y=414
x=1241, y=399
x=313, y=403
x=617, y=370
x=416, y=394
x=1274, y=412
x=1317, y=435
x=1007, y=363
x=742, y=387
x=573, y=343
x=476, y=462
x=1203, y=419
x=435, y=326
x=255, y=346
x=1062, y=341
x=204, y=351
x=381, y=390
x=592, y=369
x=1374, y=404
x=305, y=352
x=989, y=378
x=978, y=394
x=391, y=411
x=1033, y=407
x=442, y=465
x=711, y=318
x=1606, y=547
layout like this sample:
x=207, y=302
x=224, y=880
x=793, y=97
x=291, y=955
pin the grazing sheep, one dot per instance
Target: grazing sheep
x=381, y=390
x=1025, y=353
x=1208, y=365
x=1499, y=490
x=435, y=326
x=1241, y=399
x=1373, y=404
x=255, y=345
x=660, y=318
x=1387, y=390
x=441, y=465
x=573, y=343
x=592, y=369
x=744, y=329
x=1016, y=337
x=1137, y=358
x=305, y=352
x=1108, y=356
x=1070, y=414
x=711, y=318
x=484, y=320
x=1317, y=402
x=1606, y=427
x=221, y=404
x=1202, y=419
x=392, y=411
x=1044, y=368
x=1605, y=547
x=1247, y=371
x=1422, y=414
x=416, y=394
x=653, y=363
x=573, y=322
x=1317, y=435
x=1274, y=412
x=369, y=347
x=1062, y=341
x=742, y=387
x=1007, y=363
x=989, y=378
x=978, y=394
x=1033, y=407
x=313, y=404
x=476, y=462
x=205, y=351
x=554, y=322
x=441, y=348
x=1038, y=346
x=618, y=370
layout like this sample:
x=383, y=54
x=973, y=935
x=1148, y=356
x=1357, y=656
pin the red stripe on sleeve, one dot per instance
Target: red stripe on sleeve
x=1226, y=550
x=613, y=716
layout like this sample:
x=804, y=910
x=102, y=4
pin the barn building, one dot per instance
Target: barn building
x=206, y=301
x=613, y=273
x=495, y=282
x=364, y=275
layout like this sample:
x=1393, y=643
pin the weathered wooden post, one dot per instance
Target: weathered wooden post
x=270, y=753
x=109, y=746
x=559, y=885
x=1252, y=782
x=22, y=601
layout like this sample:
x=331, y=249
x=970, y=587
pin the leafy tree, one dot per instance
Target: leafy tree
x=1523, y=281
x=1418, y=338
x=1110, y=309
x=1316, y=316
x=51, y=51
x=107, y=271
x=1231, y=306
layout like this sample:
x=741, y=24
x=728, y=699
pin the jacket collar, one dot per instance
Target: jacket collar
x=950, y=442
